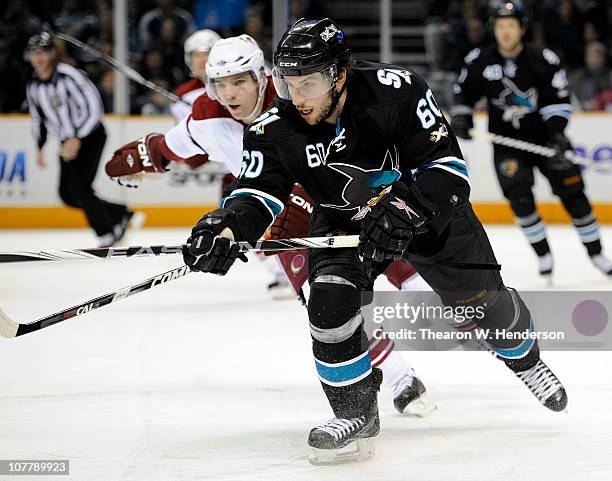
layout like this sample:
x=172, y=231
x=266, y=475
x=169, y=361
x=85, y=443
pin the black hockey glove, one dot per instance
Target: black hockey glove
x=561, y=144
x=389, y=227
x=461, y=124
x=211, y=244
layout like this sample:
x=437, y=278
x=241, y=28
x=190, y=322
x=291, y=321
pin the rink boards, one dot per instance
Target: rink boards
x=29, y=199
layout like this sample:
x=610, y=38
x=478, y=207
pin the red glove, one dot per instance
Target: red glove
x=294, y=220
x=142, y=155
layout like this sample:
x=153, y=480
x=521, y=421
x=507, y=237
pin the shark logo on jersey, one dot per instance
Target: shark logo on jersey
x=515, y=103
x=362, y=185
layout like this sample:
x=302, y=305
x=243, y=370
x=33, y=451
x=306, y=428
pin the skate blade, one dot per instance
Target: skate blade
x=421, y=407
x=360, y=450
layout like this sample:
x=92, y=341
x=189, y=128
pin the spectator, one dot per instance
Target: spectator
x=171, y=47
x=12, y=81
x=17, y=26
x=152, y=67
x=594, y=78
x=224, y=16
x=254, y=26
x=156, y=103
x=106, y=88
x=565, y=34
x=474, y=38
x=604, y=101
x=75, y=20
x=151, y=23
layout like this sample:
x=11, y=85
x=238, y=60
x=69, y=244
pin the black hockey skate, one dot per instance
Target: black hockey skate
x=413, y=400
x=545, y=386
x=342, y=440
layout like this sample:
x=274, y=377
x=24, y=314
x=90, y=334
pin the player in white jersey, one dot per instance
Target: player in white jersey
x=197, y=48
x=237, y=92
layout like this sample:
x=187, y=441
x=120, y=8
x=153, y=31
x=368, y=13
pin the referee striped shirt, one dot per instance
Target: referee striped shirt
x=67, y=105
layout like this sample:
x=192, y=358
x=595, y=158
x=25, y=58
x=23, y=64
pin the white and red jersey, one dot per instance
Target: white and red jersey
x=209, y=133
x=189, y=92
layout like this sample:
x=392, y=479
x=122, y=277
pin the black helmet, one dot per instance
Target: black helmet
x=508, y=9
x=40, y=41
x=311, y=46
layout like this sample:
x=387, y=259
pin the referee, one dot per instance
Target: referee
x=63, y=101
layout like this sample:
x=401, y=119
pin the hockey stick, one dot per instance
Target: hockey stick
x=145, y=251
x=535, y=148
x=124, y=69
x=10, y=328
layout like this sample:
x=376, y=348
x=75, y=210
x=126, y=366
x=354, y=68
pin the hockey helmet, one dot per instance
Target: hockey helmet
x=508, y=10
x=200, y=41
x=235, y=55
x=41, y=41
x=310, y=46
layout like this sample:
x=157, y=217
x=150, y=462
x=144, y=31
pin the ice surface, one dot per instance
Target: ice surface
x=205, y=378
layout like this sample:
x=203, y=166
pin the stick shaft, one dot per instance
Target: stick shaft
x=11, y=328
x=534, y=148
x=157, y=250
x=124, y=69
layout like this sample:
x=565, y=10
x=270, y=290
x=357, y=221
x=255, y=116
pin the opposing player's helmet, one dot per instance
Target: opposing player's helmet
x=235, y=55
x=310, y=46
x=200, y=41
x=508, y=10
x=41, y=41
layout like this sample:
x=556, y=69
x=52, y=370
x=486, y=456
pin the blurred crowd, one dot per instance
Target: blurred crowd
x=579, y=30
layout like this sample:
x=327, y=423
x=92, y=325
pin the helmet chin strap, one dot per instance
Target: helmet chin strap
x=335, y=99
x=263, y=83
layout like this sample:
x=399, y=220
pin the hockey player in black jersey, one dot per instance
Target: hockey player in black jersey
x=353, y=134
x=527, y=93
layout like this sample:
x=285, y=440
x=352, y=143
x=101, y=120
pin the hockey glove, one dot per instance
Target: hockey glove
x=211, y=244
x=461, y=124
x=388, y=228
x=131, y=160
x=561, y=144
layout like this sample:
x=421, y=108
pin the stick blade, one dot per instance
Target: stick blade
x=8, y=327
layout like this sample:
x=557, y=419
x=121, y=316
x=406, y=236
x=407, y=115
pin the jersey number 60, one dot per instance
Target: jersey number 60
x=252, y=164
x=424, y=110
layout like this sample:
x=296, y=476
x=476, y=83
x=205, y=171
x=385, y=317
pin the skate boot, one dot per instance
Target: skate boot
x=602, y=263
x=411, y=398
x=343, y=440
x=545, y=386
x=545, y=266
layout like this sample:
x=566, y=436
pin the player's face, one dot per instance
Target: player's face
x=42, y=62
x=198, y=64
x=238, y=94
x=311, y=94
x=508, y=33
